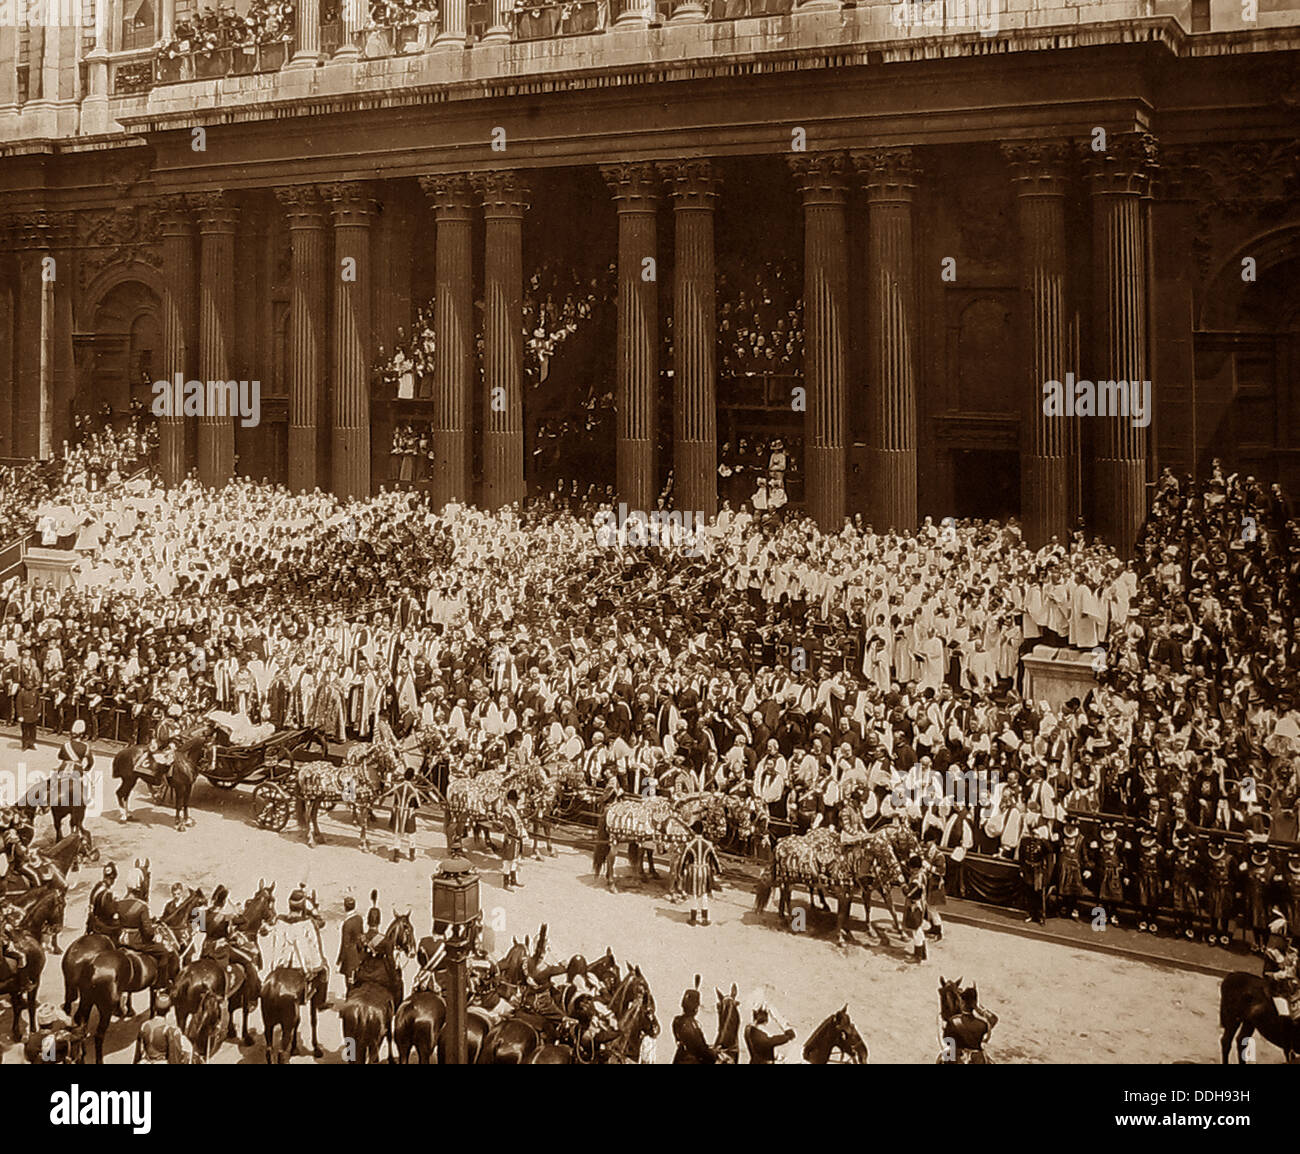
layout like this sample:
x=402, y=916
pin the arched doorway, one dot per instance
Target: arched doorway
x=1247, y=408
x=121, y=356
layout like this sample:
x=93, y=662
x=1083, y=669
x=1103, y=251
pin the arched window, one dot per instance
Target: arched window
x=139, y=24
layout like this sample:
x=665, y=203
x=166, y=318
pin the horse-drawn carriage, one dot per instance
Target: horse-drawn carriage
x=229, y=765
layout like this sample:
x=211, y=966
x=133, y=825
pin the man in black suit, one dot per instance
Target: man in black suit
x=350, y=942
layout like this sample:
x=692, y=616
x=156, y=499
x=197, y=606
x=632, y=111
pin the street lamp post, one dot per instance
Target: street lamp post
x=456, y=911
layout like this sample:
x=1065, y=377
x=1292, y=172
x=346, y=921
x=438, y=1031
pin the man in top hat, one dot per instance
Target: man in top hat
x=353, y=930
x=28, y=706
x=692, y=1049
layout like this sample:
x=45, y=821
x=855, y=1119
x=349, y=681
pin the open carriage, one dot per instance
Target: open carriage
x=230, y=763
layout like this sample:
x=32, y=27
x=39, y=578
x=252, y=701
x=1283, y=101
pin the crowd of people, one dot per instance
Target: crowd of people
x=761, y=658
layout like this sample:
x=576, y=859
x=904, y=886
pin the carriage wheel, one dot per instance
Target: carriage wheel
x=158, y=790
x=271, y=806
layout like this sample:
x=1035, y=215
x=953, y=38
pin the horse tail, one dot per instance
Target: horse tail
x=765, y=888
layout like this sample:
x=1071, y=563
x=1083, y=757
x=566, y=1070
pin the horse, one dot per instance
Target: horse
x=43, y=918
x=418, y=1026
x=109, y=981
x=131, y=765
x=22, y=982
x=359, y=782
x=207, y=1026
x=836, y=1033
x=633, y=1005
x=208, y=974
x=284, y=992
x=962, y=1033
x=65, y=794
x=368, y=1012
x=818, y=860
x=1245, y=1006
x=630, y=822
x=728, y=1038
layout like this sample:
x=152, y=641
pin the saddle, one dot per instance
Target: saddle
x=221, y=953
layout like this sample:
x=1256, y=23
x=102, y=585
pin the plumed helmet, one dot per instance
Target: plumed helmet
x=691, y=1001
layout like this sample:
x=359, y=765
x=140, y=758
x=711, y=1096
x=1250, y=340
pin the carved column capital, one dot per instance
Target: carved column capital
x=1038, y=167
x=888, y=173
x=504, y=193
x=636, y=186
x=351, y=203
x=214, y=211
x=302, y=204
x=1126, y=165
x=823, y=177
x=693, y=183
x=450, y=193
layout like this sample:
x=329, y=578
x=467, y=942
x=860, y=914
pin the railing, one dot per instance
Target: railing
x=570, y=18
x=219, y=63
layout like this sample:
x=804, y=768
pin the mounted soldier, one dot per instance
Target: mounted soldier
x=101, y=916
x=139, y=931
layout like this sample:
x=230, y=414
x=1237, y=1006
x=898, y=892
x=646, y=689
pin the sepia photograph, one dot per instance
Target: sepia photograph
x=650, y=532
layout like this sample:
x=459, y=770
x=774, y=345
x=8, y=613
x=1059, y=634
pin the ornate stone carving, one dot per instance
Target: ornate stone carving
x=693, y=183
x=450, y=193
x=351, y=202
x=123, y=235
x=823, y=177
x=504, y=193
x=1126, y=165
x=635, y=185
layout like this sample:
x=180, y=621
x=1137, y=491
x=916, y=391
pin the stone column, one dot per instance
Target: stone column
x=351, y=205
x=890, y=176
x=689, y=12
x=454, y=31
x=1119, y=179
x=8, y=339
x=694, y=185
x=306, y=53
x=33, y=330
x=178, y=349
x=824, y=184
x=502, y=29
x=354, y=20
x=63, y=373
x=1039, y=170
x=168, y=19
x=307, y=351
x=453, y=331
x=636, y=197
x=505, y=200
x=217, y=216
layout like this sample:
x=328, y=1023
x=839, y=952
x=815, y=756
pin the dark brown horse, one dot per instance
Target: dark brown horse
x=135, y=763
x=21, y=983
x=43, y=916
x=367, y=1020
x=240, y=990
x=418, y=1026
x=728, y=1039
x=836, y=1033
x=207, y=1026
x=65, y=795
x=1245, y=1008
x=284, y=992
x=106, y=986
x=964, y=1031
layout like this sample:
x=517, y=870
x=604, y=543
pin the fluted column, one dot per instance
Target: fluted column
x=350, y=207
x=454, y=32
x=890, y=177
x=694, y=185
x=33, y=407
x=636, y=365
x=505, y=199
x=307, y=34
x=824, y=184
x=178, y=345
x=453, y=329
x=306, y=217
x=500, y=31
x=217, y=217
x=1038, y=170
x=1119, y=179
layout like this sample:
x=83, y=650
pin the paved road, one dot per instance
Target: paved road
x=1057, y=1003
